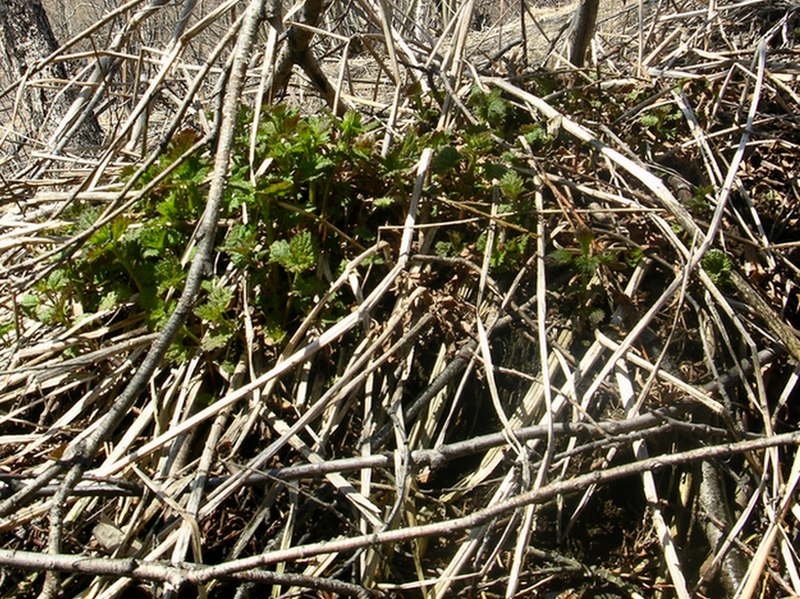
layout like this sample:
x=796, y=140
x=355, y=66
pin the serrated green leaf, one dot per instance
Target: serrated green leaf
x=511, y=185
x=562, y=256
x=445, y=160
x=29, y=303
x=58, y=280
x=169, y=273
x=108, y=301
x=297, y=255
x=46, y=314
x=494, y=170
x=217, y=338
x=649, y=120
x=274, y=334
x=444, y=249
x=178, y=353
x=351, y=125
x=217, y=301
x=240, y=244
x=491, y=107
x=538, y=136
x=279, y=252
x=717, y=265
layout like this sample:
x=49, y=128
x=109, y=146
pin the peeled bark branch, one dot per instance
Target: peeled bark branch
x=176, y=575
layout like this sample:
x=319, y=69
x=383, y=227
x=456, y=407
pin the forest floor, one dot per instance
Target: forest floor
x=506, y=329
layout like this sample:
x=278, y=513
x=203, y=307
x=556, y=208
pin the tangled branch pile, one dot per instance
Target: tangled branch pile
x=361, y=300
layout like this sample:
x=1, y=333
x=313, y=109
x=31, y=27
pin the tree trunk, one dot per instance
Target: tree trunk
x=26, y=38
x=297, y=52
x=582, y=31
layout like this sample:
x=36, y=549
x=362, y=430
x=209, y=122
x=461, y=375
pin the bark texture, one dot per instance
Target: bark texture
x=27, y=38
x=582, y=31
x=297, y=51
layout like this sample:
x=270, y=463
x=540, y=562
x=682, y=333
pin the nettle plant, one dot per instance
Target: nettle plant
x=307, y=196
x=475, y=167
x=304, y=196
x=589, y=263
x=283, y=230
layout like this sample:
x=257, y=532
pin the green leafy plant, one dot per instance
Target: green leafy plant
x=507, y=254
x=663, y=121
x=512, y=185
x=717, y=265
x=490, y=108
x=296, y=255
x=698, y=204
x=218, y=328
x=304, y=195
x=446, y=159
x=584, y=292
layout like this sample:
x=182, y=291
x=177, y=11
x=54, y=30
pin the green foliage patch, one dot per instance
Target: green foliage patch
x=303, y=197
